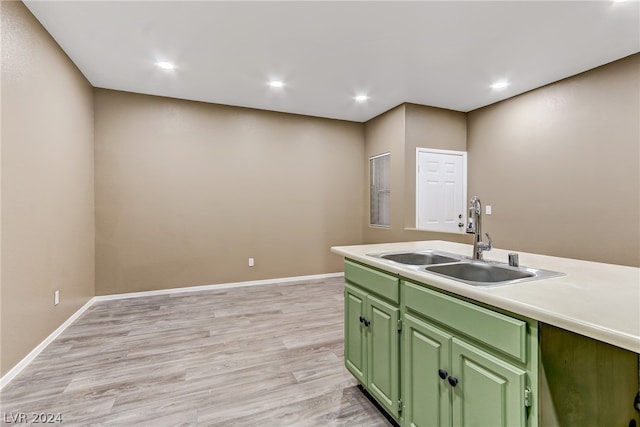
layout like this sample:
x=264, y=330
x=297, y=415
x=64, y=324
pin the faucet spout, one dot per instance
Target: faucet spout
x=475, y=227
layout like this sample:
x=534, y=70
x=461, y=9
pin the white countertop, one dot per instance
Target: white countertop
x=597, y=300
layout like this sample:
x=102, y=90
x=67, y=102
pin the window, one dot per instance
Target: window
x=379, y=174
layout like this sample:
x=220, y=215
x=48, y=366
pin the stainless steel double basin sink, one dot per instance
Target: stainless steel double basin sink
x=464, y=269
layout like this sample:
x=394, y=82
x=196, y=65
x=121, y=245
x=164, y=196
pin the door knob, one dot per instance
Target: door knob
x=442, y=373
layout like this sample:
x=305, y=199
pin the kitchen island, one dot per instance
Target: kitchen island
x=582, y=341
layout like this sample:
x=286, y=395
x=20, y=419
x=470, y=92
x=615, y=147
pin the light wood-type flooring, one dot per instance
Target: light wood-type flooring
x=268, y=355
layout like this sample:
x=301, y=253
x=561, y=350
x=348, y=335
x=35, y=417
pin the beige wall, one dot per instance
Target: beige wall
x=385, y=134
x=399, y=131
x=47, y=185
x=186, y=192
x=429, y=127
x=561, y=166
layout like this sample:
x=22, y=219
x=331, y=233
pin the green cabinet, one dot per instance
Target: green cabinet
x=489, y=391
x=426, y=364
x=463, y=365
x=383, y=353
x=372, y=345
x=355, y=351
x=450, y=382
x=435, y=360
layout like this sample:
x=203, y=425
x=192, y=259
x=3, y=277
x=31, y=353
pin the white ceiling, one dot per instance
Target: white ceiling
x=439, y=53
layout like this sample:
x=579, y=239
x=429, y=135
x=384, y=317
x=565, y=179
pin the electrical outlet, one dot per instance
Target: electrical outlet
x=56, y=298
x=251, y=262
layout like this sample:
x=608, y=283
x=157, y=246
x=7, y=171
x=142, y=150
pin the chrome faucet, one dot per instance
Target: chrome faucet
x=475, y=227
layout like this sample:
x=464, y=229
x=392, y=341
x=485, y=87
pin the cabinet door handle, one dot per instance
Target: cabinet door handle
x=442, y=373
x=366, y=323
x=453, y=381
x=361, y=319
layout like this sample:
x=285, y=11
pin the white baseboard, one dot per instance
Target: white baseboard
x=201, y=288
x=13, y=372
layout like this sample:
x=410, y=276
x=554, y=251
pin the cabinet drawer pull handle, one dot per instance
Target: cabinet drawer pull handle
x=443, y=374
x=453, y=381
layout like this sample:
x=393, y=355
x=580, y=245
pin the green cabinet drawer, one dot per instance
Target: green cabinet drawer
x=377, y=282
x=503, y=333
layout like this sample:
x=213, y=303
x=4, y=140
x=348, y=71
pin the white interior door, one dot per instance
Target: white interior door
x=441, y=190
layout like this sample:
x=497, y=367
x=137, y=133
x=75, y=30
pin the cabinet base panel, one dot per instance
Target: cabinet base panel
x=584, y=382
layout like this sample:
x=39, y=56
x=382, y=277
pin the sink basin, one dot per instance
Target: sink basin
x=480, y=272
x=419, y=258
x=487, y=274
x=463, y=269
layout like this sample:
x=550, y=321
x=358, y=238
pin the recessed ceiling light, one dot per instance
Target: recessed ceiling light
x=361, y=98
x=165, y=65
x=276, y=83
x=500, y=85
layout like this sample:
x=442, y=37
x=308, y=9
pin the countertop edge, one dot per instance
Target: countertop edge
x=484, y=295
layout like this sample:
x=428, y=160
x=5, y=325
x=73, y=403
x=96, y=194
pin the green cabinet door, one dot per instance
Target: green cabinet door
x=383, y=353
x=355, y=351
x=489, y=392
x=426, y=356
